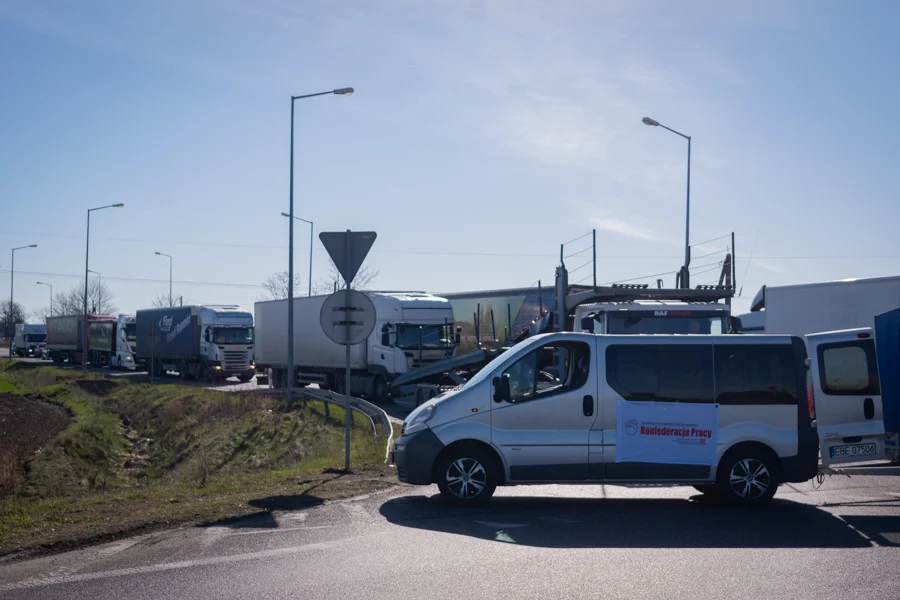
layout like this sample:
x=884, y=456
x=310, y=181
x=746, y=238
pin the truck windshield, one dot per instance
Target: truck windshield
x=131, y=332
x=35, y=337
x=432, y=336
x=233, y=335
x=638, y=324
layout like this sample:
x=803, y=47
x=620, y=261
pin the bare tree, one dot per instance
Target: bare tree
x=335, y=281
x=161, y=301
x=9, y=318
x=41, y=314
x=276, y=286
x=71, y=302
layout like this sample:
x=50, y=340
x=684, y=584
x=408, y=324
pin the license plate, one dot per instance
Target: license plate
x=854, y=450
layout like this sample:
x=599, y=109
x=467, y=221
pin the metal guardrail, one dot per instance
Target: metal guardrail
x=373, y=412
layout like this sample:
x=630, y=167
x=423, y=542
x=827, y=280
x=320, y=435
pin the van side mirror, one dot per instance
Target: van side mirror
x=587, y=324
x=501, y=389
x=735, y=325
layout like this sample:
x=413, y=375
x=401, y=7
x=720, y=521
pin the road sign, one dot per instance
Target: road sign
x=337, y=313
x=348, y=249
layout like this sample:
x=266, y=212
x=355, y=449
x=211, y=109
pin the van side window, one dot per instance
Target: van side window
x=849, y=368
x=549, y=370
x=661, y=373
x=755, y=374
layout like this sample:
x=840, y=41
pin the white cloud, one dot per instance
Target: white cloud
x=623, y=228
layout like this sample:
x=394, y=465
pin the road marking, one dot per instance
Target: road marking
x=187, y=564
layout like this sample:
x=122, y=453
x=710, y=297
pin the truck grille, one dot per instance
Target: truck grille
x=236, y=360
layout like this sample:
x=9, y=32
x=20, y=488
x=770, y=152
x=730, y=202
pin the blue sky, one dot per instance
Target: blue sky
x=482, y=134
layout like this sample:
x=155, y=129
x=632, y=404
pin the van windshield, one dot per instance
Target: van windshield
x=492, y=366
x=647, y=324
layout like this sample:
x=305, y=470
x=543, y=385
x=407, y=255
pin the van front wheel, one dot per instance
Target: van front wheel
x=467, y=476
x=747, y=478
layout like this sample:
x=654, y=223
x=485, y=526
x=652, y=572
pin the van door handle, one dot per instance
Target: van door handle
x=587, y=405
x=868, y=408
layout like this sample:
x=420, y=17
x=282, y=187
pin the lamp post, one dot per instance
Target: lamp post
x=12, y=271
x=99, y=283
x=685, y=273
x=51, y=295
x=290, y=323
x=309, y=292
x=87, y=252
x=170, y=275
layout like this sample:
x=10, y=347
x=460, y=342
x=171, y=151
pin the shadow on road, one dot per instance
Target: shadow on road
x=628, y=523
x=884, y=530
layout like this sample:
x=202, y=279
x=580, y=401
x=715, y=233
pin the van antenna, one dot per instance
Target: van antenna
x=752, y=250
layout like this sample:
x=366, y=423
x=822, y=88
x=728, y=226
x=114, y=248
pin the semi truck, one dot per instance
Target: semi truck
x=826, y=306
x=66, y=337
x=113, y=342
x=197, y=342
x=412, y=329
x=27, y=338
x=652, y=316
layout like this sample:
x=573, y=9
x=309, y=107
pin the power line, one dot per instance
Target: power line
x=709, y=254
x=581, y=267
x=712, y=240
x=579, y=252
x=139, y=279
x=638, y=278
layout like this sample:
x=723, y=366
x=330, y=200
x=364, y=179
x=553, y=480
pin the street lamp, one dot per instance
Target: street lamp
x=99, y=283
x=290, y=341
x=685, y=273
x=51, y=295
x=308, y=293
x=12, y=270
x=87, y=252
x=170, y=275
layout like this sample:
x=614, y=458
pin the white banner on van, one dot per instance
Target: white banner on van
x=667, y=432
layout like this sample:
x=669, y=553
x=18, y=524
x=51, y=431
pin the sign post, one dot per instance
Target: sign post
x=347, y=317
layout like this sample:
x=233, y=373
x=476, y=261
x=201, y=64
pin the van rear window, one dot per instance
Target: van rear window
x=661, y=373
x=755, y=374
x=849, y=368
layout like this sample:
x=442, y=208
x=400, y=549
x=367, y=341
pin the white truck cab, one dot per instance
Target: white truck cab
x=652, y=316
x=226, y=339
x=125, y=342
x=412, y=329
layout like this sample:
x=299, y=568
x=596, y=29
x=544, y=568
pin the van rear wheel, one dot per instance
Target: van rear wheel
x=467, y=476
x=747, y=477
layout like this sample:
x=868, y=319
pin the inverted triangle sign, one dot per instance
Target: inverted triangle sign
x=348, y=249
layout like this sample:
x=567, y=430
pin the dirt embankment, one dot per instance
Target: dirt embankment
x=26, y=424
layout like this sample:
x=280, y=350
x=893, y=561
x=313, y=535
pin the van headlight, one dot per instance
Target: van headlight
x=420, y=416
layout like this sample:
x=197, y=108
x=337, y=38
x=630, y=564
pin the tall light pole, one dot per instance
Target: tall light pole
x=11, y=316
x=685, y=272
x=87, y=252
x=99, y=283
x=170, y=275
x=308, y=293
x=290, y=323
x=51, y=295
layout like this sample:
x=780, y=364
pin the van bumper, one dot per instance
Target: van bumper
x=805, y=464
x=414, y=456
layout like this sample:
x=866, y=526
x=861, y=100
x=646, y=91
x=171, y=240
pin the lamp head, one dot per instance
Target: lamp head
x=650, y=122
x=343, y=91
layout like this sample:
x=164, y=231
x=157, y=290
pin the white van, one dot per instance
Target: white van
x=729, y=415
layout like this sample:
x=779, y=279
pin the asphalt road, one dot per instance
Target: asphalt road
x=841, y=541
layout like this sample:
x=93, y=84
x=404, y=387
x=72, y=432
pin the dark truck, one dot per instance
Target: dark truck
x=208, y=342
x=66, y=334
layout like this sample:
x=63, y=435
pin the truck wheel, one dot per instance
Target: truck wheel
x=747, y=477
x=380, y=388
x=467, y=476
x=244, y=378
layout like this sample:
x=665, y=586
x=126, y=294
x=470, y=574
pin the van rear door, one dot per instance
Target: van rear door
x=847, y=396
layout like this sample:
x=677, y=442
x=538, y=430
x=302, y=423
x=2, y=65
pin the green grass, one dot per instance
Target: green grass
x=136, y=456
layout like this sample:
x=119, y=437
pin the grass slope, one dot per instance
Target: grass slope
x=137, y=457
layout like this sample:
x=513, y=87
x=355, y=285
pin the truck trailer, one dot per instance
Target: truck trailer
x=66, y=335
x=826, y=306
x=113, y=342
x=207, y=342
x=412, y=329
x=27, y=338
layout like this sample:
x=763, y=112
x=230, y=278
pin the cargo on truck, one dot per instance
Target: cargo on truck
x=113, y=342
x=411, y=329
x=27, y=338
x=825, y=306
x=66, y=335
x=197, y=342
